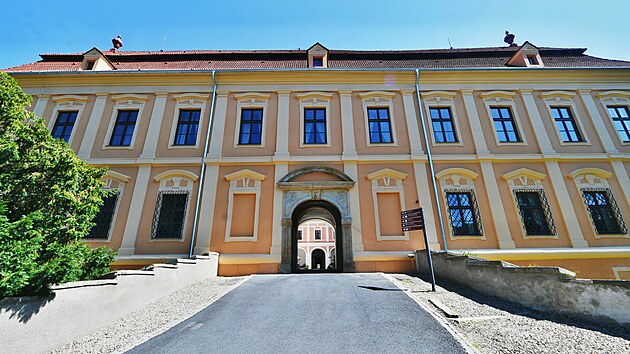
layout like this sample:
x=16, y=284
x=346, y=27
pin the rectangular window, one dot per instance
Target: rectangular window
x=535, y=213
x=318, y=62
x=462, y=209
x=170, y=211
x=64, y=124
x=187, y=127
x=90, y=65
x=380, y=127
x=251, y=127
x=504, y=125
x=299, y=235
x=604, y=212
x=104, y=219
x=315, y=126
x=566, y=125
x=318, y=234
x=123, y=129
x=532, y=60
x=442, y=123
x=621, y=120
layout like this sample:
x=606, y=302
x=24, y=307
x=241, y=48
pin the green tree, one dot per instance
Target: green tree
x=48, y=198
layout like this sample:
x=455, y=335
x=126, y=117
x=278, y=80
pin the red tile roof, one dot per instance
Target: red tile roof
x=491, y=57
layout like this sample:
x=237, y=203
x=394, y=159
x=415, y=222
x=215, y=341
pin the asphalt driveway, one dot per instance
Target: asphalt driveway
x=308, y=313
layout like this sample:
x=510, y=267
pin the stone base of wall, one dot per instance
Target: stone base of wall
x=36, y=324
x=550, y=289
x=231, y=270
x=406, y=266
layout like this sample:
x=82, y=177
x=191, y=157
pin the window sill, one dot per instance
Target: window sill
x=116, y=147
x=597, y=237
x=241, y=239
x=196, y=146
x=314, y=145
x=537, y=237
x=382, y=145
x=167, y=239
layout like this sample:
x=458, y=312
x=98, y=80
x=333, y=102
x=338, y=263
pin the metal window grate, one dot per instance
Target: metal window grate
x=169, y=216
x=104, y=218
x=604, y=212
x=534, y=211
x=463, y=212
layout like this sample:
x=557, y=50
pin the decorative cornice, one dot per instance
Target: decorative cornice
x=590, y=171
x=387, y=172
x=245, y=174
x=176, y=173
x=456, y=171
x=524, y=172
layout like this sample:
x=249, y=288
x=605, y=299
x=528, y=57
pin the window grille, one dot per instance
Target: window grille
x=534, y=211
x=169, y=216
x=104, y=219
x=463, y=212
x=604, y=211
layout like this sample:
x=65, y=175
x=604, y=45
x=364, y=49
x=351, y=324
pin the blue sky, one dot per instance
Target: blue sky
x=32, y=27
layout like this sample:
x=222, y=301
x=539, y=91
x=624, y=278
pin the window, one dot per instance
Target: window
x=604, y=212
x=187, y=127
x=299, y=235
x=462, y=208
x=251, y=127
x=314, y=126
x=104, y=219
x=123, y=128
x=621, y=120
x=442, y=123
x=170, y=211
x=569, y=133
x=318, y=234
x=380, y=128
x=318, y=62
x=64, y=124
x=504, y=125
x=90, y=64
x=532, y=60
x=535, y=213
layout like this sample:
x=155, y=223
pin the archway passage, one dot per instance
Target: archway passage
x=316, y=238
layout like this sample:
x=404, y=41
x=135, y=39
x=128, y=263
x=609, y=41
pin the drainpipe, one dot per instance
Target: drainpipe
x=430, y=157
x=203, y=166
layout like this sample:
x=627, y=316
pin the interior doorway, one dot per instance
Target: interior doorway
x=316, y=238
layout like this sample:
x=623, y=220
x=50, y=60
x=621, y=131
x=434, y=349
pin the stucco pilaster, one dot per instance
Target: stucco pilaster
x=424, y=190
x=88, y=141
x=218, y=126
x=355, y=207
x=475, y=124
x=537, y=123
x=138, y=198
x=155, y=124
x=566, y=206
x=597, y=120
x=282, y=130
x=207, y=207
x=622, y=176
x=40, y=106
x=411, y=118
x=347, y=126
x=496, y=206
x=281, y=170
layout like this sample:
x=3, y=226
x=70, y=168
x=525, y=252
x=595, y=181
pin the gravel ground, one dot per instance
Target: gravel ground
x=153, y=319
x=494, y=326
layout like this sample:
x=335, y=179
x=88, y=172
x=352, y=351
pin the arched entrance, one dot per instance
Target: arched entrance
x=316, y=192
x=316, y=210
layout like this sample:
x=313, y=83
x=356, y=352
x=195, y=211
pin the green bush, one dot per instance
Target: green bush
x=48, y=198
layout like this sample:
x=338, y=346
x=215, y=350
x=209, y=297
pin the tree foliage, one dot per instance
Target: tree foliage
x=48, y=198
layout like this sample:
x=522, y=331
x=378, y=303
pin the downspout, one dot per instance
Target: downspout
x=430, y=158
x=203, y=166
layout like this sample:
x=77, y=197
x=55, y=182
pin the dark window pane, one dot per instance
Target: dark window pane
x=123, y=128
x=169, y=217
x=251, y=127
x=442, y=124
x=104, y=219
x=315, y=126
x=462, y=211
x=64, y=124
x=604, y=212
x=504, y=125
x=187, y=127
x=534, y=212
x=619, y=115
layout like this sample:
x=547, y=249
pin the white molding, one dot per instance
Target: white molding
x=442, y=99
x=379, y=99
x=564, y=99
x=68, y=103
x=126, y=102
x=387, y=181
x=188, y=101
x=501, y=99
x=251, y=100
x=617, y=270
x=243, y=182
x=315, y=100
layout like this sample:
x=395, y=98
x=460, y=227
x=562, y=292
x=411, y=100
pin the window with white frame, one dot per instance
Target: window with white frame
x=563, y=112
x=126, y=116
x=531, y=203
x=502, y=112
x=251, y=119
x=388, y=196
x=378, y=110
x=187, y=120
x=243, y=206
x=314, y=119
x=106, y=217
x=458, y=189
x=171, y=208
x=599, y=202
x=65, y=116
x=617, y=104
x=440, y=107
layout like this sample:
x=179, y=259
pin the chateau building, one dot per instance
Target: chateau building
x=526, y=156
